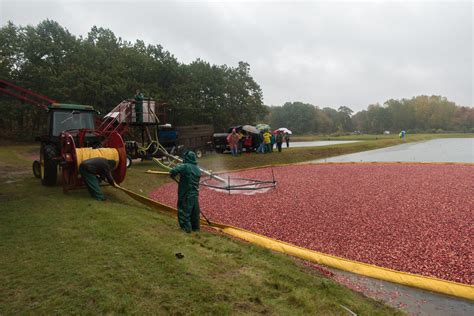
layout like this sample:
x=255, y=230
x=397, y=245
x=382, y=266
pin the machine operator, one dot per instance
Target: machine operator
x=93, y=168
x=188, y=192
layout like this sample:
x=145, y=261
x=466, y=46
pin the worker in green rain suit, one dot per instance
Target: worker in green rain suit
x=188, y=192
x=93, y=168
x=139, y=106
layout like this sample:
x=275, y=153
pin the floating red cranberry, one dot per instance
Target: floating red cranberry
x=417, y=218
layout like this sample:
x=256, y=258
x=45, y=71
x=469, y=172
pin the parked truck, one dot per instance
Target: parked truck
x=220, y=139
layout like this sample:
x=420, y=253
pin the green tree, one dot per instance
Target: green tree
x=101, y=69
x=378, y=119
x=333, y=116
x=360, y=121
x=344, y=122
x=297, y=116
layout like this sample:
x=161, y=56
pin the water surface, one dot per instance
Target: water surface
x=436, y=150
x=319, y=143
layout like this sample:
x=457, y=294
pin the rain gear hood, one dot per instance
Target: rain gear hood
x=190, y=157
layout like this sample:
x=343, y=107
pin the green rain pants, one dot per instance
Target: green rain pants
x=92, y=184
x=189, y=213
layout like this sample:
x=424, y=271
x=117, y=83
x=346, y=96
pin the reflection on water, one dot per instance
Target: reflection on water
x=436, y=150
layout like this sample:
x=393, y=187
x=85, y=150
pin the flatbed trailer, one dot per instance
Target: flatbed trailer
x=197, y=138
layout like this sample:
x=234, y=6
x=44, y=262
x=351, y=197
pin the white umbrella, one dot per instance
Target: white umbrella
x=250, y=129
x=285, y=130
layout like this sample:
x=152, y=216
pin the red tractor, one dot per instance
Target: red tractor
x=70, y=127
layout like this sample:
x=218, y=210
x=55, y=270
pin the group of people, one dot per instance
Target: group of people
x=262, y=143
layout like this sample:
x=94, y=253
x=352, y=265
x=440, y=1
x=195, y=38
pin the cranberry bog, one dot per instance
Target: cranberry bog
x=414, y=218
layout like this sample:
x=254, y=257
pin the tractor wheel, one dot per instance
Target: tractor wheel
x=199, y=153
x=49, y=168
x=37, y=169
x=129, y=161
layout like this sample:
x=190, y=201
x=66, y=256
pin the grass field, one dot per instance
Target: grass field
x=66, y=253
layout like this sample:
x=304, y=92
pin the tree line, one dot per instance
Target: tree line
x=432, y=114
x=305, y=118
x=101, y=69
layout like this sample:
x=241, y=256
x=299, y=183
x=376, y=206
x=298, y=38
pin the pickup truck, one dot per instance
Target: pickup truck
x=221, y=145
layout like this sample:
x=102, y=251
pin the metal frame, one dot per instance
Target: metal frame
x=25, y=95
x=247, y=186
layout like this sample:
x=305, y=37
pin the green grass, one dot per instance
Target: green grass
x=68, y=254
x=17, y=156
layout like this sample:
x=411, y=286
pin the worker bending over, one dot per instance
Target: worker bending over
x=92, y=168
x=188, y=192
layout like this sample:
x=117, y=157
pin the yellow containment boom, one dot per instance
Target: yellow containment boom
x=423, y=282
x=88, y=153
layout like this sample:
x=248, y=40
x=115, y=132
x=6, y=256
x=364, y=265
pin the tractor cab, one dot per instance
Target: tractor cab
x=78, y=120
x=64, y=118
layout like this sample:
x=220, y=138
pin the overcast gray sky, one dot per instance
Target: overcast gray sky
x=325, y=53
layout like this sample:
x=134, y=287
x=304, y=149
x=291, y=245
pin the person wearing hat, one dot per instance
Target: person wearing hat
x=188, y=192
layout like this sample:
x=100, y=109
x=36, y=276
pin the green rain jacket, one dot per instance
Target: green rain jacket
x=189, y=176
